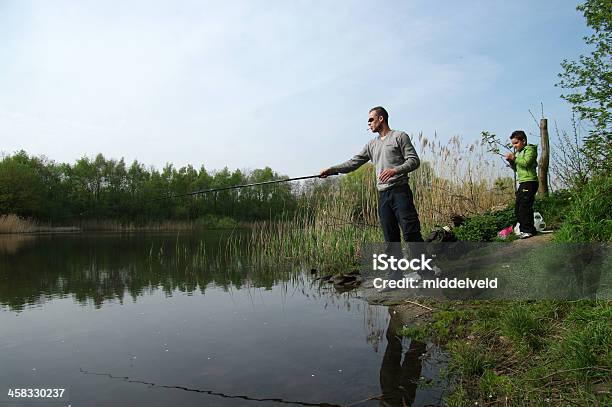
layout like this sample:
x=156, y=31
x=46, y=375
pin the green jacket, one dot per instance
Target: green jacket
x=525, y=163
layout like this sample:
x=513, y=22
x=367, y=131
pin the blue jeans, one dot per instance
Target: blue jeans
x=396, y=211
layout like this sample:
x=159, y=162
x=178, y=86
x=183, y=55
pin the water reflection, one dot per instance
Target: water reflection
x=95, y=269
x=405, y=368
x=197, y=331
x=11, y=244
x=399, y=376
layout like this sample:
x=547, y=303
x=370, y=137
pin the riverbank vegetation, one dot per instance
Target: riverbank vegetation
x=524, y=353
x=109, y=193
x=333, y=219
x=512, y=353
x=11, y=223
x=106, y=194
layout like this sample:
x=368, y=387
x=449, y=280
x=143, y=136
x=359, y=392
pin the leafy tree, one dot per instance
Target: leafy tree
x=101, y=188
x=590, y=81
x=21, y=188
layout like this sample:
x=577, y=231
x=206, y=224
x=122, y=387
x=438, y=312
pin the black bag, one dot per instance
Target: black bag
x=440, y=235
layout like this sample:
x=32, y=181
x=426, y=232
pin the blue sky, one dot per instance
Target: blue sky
x=285, y=84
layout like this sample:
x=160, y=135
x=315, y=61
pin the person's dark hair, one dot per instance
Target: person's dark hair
x=519, y=135
x=381, y=112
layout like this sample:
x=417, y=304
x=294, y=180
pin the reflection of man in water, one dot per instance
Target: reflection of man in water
x=399, y=378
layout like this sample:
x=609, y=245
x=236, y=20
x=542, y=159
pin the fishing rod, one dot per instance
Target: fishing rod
x=254, y=184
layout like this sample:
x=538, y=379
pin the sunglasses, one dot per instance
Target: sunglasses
x=370, y=120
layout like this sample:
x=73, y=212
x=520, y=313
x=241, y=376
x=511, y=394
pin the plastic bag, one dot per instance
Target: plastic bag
x=504, y=233
x=538, y=222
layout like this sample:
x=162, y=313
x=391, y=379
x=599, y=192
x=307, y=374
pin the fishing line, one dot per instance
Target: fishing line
x=204, y=191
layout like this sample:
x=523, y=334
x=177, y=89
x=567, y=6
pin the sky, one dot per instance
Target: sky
x=279, y=83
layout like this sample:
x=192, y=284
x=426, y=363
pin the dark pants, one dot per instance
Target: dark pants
x=525, y=197
x=396, y=211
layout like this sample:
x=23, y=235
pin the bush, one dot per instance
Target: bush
x=483, y=228
x=217, y=222
x=588, y=216
x=553, y=208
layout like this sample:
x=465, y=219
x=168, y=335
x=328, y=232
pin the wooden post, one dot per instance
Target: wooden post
x=544, y=158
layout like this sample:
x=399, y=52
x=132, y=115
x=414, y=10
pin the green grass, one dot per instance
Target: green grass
x=494, y=385
x=418, y=333
x=469, y=358
x=516, y=354
x=588, y=217
x=523, y=327
x=588, y=342
x=448, y=324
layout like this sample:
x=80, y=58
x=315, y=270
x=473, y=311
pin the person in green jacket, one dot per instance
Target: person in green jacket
x=524, y=161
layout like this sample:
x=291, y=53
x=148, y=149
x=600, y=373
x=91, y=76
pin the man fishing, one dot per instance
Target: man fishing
x=394, y=156
x=524, y=162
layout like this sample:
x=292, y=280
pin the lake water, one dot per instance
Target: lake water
x=140, y=319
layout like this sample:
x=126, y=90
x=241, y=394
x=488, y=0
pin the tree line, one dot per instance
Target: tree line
x=101, y=188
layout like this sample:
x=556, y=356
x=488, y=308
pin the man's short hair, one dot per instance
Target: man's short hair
x=519, y=135
x=381, y=111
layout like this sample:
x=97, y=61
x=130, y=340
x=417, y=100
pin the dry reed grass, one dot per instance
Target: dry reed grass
x=333, y=222
x=456, y=179
x=104, y=225
x=14, y=224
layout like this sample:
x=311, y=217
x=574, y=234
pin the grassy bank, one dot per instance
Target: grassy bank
x=530, y=353
x=509, y=353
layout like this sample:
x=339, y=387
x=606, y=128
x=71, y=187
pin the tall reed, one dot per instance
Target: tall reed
x=99, y=225
x=335, y=218
x=457, y=179
x=14, y=224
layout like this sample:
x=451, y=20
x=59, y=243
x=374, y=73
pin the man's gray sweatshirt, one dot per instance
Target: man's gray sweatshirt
x=394, y=151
